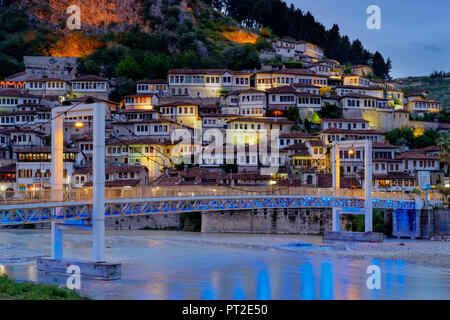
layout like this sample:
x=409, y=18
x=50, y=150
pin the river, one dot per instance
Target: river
x=180, y=265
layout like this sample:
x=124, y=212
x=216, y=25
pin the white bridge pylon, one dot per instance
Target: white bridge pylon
x=367, y=155
x=97, y=110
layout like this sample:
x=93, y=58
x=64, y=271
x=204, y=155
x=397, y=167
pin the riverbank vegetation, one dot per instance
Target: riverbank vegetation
x=11, y=290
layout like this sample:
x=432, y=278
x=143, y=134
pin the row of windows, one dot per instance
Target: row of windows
x=212, y=121
x=118, y=150
x=421, y=163
x=257, y=111
x=245, y=126
x=50, y=85
x=395, y=183
x=309, y=101
x=44, y=157
x=10, y=101
x=382, y=155
x=181, y=110
x=137, y=100
x=285, y=98
x=88, y=85
x=24, y=118
x=301, y=162
x=28, y=173
x=345, y=154
x=87, y=147
x=252, y=98
x=151, y=87
x=22, y=138
x=323, y=69
x=426, y=106
x=283, y=80
x=392, y=166
x=140, y=116
x=333, y=137
x=144, y=128
x=349, y=125
x=122, y=175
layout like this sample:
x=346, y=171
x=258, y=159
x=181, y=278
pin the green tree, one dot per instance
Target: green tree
x=91, y=67
x=330, y=111
x=129, y=68
x=9, y=66
x=156, y=66
x=443, y=142
x=381, y=68
x=262, y=44
x=293, y=114
x=307, y=125
x=124, y=86
x=239, y=57
x=400, y=136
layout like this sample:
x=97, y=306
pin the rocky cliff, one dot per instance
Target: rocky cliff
x=94, y=13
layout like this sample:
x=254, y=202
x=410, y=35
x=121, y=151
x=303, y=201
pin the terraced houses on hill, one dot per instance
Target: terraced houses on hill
x=246, y=107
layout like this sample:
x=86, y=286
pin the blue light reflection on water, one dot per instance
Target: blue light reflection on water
x=263, y=290
x=235, y=273
x=307, y=282
x=326, y=282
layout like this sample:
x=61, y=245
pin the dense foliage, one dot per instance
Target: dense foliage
x=18, y=39
x=407, y=137
x=302, y=26
x=179, y=39
x=437, y=85
x=10, y=289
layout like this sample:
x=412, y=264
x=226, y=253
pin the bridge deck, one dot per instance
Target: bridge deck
x=16, y=214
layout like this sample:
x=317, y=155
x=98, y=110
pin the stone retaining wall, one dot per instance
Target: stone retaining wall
x=151, y=221
x=301, y=221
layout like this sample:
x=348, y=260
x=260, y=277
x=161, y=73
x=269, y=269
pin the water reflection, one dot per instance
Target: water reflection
x=198, y=271
x=307, y=282
x=263, y=290
x=326, y=282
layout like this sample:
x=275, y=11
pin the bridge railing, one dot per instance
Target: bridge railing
x=85, y=194
x=196, y=191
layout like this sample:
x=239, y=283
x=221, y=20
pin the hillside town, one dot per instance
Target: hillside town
x=310, y=106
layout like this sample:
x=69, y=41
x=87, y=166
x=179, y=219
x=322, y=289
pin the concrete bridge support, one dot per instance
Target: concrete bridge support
x=367, y=210
x=97, y=269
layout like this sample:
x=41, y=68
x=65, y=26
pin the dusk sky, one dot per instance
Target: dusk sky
x=415, y=34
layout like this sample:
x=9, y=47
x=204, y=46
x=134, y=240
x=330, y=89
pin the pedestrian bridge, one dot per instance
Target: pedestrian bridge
x=37, y=207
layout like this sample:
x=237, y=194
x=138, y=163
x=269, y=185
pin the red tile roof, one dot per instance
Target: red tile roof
x=298, y=134
x=131, y=168
x=283, y=89
x=383, y=145
x=343, y=120
x=117, y=183
x=414, y=155
x=316, y=143
x=344, y=131
x=89, y=78
x=265, y=120
x=393, y=175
